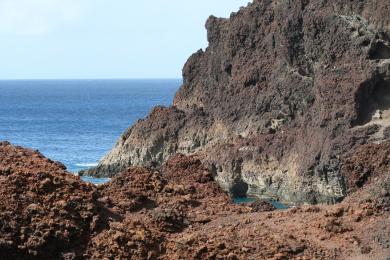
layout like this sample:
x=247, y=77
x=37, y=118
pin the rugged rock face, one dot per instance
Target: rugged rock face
x=158, y=205
x=365, y=164
x=179, y=212
x=45, y=213
x=283, y=91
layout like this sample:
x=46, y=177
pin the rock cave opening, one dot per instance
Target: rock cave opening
x=380, y=51
x=239, y=189
x=373, y=103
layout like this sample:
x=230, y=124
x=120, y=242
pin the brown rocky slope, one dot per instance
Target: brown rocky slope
x=45, y=212
x=179, y=212
x=284, y=89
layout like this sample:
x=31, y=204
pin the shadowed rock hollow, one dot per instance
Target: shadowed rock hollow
x=282, y=92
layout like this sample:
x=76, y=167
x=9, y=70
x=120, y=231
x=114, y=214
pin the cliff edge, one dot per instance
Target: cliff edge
x=283, y=94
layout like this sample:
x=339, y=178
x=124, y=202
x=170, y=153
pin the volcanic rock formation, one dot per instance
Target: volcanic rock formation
x=282, y=92
x=179, y=212
x=45, y=212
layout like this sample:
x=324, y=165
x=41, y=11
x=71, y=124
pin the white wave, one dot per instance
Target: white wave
x=86, y=164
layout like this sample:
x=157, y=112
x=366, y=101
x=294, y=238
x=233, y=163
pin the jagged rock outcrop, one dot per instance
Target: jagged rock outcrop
x=283, y=91
x=179, y=212
x=45, y=212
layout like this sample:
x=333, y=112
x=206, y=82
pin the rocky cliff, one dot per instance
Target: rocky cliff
x=280, y=97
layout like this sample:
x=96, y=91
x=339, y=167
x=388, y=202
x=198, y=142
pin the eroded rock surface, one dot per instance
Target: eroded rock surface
x=283, y=91
x=45, y=212
x=179, y=212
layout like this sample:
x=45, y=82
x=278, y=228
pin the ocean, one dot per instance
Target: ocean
x=77, y=122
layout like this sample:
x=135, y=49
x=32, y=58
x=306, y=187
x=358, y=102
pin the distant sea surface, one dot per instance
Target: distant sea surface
x=76, y=122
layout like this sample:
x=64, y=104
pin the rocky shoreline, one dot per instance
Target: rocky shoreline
x=291, y=100
x=286, y=89
x=177, y=211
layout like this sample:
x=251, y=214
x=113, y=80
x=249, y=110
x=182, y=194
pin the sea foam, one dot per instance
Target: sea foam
x=86, y=164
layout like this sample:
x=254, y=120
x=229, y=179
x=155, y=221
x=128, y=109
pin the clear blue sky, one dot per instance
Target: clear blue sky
x=103, y=39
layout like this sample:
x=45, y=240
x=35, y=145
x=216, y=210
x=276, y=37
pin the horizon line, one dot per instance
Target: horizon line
x=42, y=79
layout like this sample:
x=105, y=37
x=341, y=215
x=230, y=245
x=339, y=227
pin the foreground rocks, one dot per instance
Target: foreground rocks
x=179, y=212
x=45, y=212
x=285, y=89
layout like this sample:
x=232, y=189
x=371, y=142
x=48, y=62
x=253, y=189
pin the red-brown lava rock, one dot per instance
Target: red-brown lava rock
x=283, y=91
x=291, y=100
x=179, y=212
x=45, y=212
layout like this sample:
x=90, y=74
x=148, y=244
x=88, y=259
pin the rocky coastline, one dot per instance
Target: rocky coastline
x=291, y=101
x=286, y=89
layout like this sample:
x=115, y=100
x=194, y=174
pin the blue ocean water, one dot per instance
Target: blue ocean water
x=76, y=121
x=276, y=204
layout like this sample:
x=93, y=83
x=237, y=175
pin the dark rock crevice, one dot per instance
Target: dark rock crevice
x=380, y=51
x=372, y=100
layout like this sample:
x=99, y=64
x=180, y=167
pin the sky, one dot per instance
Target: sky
x=91, y=39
